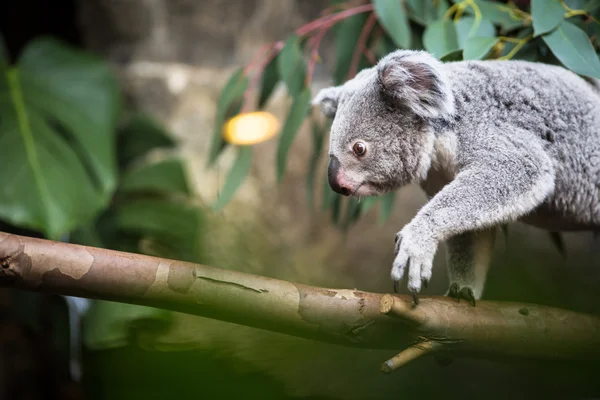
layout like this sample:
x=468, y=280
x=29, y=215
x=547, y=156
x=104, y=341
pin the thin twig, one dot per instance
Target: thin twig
x=361, y=45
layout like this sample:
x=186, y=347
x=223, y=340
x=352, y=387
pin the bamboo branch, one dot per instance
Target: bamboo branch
x=341, y=316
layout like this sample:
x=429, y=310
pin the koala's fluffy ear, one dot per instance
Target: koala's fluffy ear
x=415, y=80
x=327, y=99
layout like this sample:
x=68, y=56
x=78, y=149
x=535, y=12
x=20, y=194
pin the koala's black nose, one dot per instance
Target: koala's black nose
x=332, y=176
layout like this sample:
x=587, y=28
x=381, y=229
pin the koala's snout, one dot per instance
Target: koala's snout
x=333, y=177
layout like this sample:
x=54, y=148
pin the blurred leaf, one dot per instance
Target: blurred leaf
x=546, y=15
x=233, y=90
x=347, y=33
x=296, y=116
x=455, y=55
x=393, y=18
x=465, y=28
x=318, y=136
x=590, y=6
x=171, y=228
x=139, y=136
x=353, y=212
x=336, y=208
x=425, y=12
x=476, y=48
x=110, y=324
x=440, y=38
x=163, y=176
x=292, y=67
x=236, y=176
x=270, y=78
x=59, y=109
x=386, y=207
x=573, y=48
x=498, y=13
x=367, y=203
x=328, y=194
x=384, y=46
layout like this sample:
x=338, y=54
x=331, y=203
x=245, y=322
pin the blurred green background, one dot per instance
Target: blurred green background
x=111, y=115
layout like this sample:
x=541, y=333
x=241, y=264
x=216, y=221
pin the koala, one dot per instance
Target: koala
x=490, y=142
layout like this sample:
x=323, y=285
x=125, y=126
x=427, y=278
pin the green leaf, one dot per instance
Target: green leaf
x=476, y=48
x=392, y=16
x=466, y=28
x=384, y=46
x=269, y=80
x=236, y=176
x=328, y=194
x=498, y=13
x=455, y=55
x=386, y=208
x=440, y=38
x=318, y=136
x=140, y=135
x=58, y=110
x=573, y=48
x=110, y=324
x=296, y=116
x=292, y=67
x=368, y=203
x=226, y=106
x=158, y=177
x=353, y=212
x=347, y=33
x=425, y=12
x=546, y=15
x=336, y=208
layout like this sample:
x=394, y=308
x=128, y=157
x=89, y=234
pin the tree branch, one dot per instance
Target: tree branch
x=345, y=317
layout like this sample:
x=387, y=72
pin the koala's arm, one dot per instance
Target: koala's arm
x=505, y=173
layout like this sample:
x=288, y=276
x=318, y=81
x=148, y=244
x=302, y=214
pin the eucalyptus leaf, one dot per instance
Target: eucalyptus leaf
x=58, y=113
x=236, y=176
x=498, y=13
x=573, y=48
x=386, y=207
x=318, y=139
x=466, y=28
x=477, y=47
x=269, y=80
x=347, y=33
x=296, y=116
x=546, y=15
x=440, y=38
x=392, y=16
x=291, y=66
x=232, y=91
x=425, y=12
x=140, y=135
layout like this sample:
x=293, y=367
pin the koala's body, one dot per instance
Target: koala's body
x=490, y=142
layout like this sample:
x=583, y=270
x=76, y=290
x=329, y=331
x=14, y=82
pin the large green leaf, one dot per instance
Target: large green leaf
x=477, y=47
x=392, y=16
x=440, y=38
x=227, y=105
x=466, y=28
x=347, y=33
x=58, y=111
x=573, y=48
x=292, y=67
x=296, y=116
x=236, y=176
x=138, y=136
x=546, y=15
x=163, y=176
x=425, y=12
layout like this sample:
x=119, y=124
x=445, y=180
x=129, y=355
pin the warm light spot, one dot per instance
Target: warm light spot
x=250, y=128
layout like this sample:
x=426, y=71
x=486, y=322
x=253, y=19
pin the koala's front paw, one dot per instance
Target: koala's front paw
x=415, y=250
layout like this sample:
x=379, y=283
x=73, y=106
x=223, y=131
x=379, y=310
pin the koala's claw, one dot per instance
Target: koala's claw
x=458, y=293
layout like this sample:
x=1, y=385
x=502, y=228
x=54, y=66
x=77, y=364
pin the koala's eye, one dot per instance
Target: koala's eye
x=359, y=148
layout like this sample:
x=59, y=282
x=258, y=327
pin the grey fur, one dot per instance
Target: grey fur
x=490, y=142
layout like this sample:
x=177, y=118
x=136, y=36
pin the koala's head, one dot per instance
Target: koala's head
x=380, y=136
